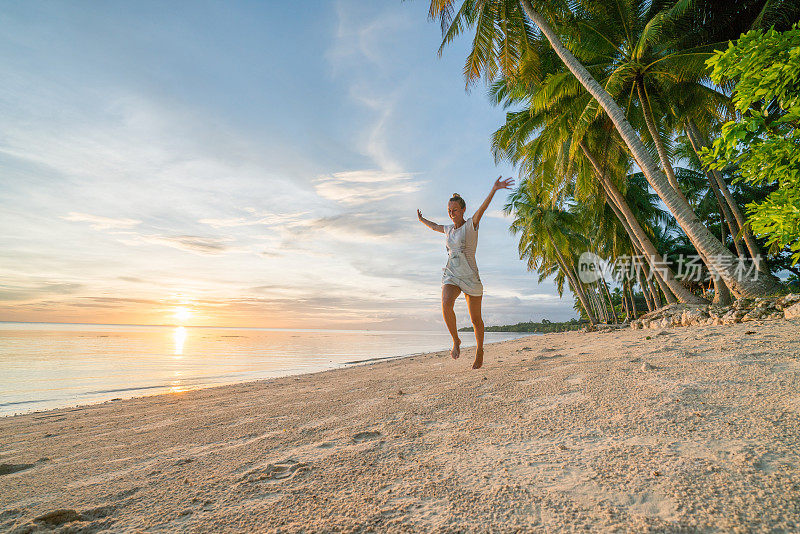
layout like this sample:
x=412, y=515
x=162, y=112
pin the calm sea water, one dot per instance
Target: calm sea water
x=46, y=365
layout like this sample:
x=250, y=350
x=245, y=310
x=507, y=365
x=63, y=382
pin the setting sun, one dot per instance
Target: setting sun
x=182, y=313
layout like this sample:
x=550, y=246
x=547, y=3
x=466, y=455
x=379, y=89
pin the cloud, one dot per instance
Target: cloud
x=360, y=40
x=15, y=293
x=131, y=279
x=356, y=226
x=497, y=214
x=365, y=186
x=266, y=219
x=101, y=223
x=122, y=301
x=190, y=243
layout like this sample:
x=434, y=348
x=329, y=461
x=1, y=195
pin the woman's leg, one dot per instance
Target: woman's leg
x=449, y=295
x=474, y=306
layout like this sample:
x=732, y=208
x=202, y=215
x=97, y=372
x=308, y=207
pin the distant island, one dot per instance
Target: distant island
x=544, y=327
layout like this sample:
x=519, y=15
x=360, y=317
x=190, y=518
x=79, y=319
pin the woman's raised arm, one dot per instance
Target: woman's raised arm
x=432, y=225
x=498, y=184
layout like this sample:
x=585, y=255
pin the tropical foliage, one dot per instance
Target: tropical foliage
x=543, y=327
x=764, y=142
x=609, y=103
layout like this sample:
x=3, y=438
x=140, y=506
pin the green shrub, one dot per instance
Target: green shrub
x=764, y=144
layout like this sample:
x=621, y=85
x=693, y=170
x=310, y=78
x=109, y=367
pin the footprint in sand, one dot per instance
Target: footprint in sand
x=552, y=356
x=366, y=436
x=7, y=469
x=124, y=494
x=574, y=380
x=58, y=517
x=277, y=471
x=99, y=512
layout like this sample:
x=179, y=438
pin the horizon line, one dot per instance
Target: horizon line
x=204, y=326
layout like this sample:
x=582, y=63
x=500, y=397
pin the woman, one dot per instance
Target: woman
x=461, y=272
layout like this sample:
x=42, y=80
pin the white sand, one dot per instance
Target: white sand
x=696, y=429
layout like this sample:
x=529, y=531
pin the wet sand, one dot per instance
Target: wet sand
x=693, y=430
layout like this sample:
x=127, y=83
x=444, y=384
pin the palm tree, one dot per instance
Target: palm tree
x=503, y=31
x=538, y=139
x=736, y=218
x=544, y=240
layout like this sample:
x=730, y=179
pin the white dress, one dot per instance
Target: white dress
x=461, y=269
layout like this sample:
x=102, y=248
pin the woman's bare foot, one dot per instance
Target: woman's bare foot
x=456, y=350
x=478, y=359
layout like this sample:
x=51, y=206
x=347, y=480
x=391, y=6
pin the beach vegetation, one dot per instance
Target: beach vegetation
x=763, y=142
x=609, y=105
x=542, y=327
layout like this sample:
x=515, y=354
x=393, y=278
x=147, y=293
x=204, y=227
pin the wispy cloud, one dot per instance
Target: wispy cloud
x=190, y=243
x=101, y=223
x=27, y=292
x=356, y=226
x=256, y=218
x=497, y=214
x=365, y=186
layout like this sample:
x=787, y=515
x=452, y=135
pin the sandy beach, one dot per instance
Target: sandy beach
x=693, y=429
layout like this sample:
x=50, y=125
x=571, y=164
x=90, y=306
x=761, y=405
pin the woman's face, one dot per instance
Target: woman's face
x=455, y=211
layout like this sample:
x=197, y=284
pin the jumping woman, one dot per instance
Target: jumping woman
x=461, y=272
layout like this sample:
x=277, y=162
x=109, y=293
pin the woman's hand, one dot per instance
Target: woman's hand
x=498, y=184
x=432, y=225
x=503, y=184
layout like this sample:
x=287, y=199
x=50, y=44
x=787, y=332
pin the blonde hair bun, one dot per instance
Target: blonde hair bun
x=457, y=198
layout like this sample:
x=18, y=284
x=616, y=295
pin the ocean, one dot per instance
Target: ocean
x=54, y=365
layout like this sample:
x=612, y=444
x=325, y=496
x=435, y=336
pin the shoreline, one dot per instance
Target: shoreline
x=342, y=365
x=692, y=430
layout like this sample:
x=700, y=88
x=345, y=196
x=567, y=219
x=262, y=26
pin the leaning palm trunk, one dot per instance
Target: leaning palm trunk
x=648, y=299
x=752, y=246
x=582, y=295
x=671, y=286
x=725, y=210
x=626, y=309
x=725, y=213
x=654, y=294
x=606, y=300
x=722, y=295
x=602, y=313
x=660, y=270
x=593, y=304
x=581, y=290
x=633, y=299
x=624, y=304
x=638, y=247
x=604, y=296
x=647, y=111
x=612, y=310
x=702, y=239
x=573, y=280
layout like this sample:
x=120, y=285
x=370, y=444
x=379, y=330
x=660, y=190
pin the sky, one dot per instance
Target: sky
x=253, y=164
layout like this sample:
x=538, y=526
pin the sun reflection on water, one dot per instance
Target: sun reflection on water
x=179, y=336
